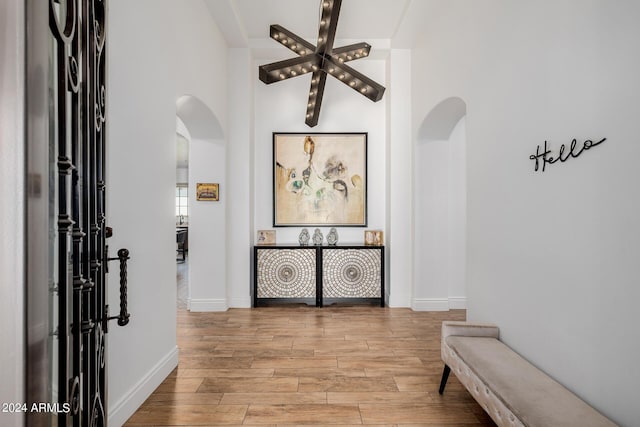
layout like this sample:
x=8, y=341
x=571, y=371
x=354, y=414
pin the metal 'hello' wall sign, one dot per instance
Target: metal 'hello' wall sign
x=574, y=150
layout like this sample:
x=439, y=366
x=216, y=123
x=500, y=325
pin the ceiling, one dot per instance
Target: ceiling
x=245, y=22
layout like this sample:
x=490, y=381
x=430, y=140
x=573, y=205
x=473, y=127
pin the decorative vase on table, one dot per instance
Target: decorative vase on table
x=317, y=237
x=332, y=237
x=304, y=237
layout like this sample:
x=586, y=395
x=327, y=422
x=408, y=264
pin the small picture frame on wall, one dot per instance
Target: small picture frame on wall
x=373, y=237
x=266, y=237
x=207, y=192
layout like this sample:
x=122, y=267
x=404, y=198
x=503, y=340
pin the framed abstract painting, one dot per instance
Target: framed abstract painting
x=319, y=179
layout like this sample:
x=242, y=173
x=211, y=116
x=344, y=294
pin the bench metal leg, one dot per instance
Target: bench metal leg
x=445, y=377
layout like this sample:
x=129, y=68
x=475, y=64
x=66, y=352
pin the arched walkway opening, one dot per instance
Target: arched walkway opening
x=440, y=193
x=198, y=118
x=206, y=269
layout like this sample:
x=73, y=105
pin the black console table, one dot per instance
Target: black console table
x=318, y=275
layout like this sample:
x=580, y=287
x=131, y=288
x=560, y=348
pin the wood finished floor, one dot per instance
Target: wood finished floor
x=283, y=366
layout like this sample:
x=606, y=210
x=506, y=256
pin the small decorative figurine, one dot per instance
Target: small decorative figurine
x=332, y=237
x=317, y=237
x=304, y=237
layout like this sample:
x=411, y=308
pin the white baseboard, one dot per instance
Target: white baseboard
x=240, y=302
x=439, y=304
x=208, y=305
x=398, y=300
x=457, y=303
x=430, y=304
x=128, y=404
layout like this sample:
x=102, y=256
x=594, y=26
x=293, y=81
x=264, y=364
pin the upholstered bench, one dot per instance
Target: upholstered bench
x=510, y=389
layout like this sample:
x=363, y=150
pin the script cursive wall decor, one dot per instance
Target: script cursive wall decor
x=574, y=150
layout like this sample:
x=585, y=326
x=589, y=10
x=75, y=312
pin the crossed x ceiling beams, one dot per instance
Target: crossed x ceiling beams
x=321, y=60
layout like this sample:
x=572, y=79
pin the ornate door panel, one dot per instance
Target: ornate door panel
x=77, y=246
x=352, y=273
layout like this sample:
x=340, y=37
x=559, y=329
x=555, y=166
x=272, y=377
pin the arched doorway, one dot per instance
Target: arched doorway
x=206, y=289
x=182, y=213
x=440, y=208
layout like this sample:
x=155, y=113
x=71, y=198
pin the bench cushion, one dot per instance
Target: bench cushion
x=531, y=395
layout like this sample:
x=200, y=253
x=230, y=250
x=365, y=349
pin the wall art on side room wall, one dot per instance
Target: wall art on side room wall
x=208, y=192
x=320, y=179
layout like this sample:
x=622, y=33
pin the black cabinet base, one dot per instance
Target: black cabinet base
x=352, y=301
x=273, y=302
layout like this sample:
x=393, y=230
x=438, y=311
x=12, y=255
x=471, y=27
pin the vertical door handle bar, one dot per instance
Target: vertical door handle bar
x=123, y=317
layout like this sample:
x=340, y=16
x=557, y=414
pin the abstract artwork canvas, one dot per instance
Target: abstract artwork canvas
x=320, y=179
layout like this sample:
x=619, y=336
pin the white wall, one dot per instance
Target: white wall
x=182, y=175
x=440, y=222
x=399, y=181
x=241, y=175
x=141, y=132
x=431, y=255
x=148, y=71
x=281, y=107
x=457, y=206
x=207, y=232
x=553, y=256
x=201, y=57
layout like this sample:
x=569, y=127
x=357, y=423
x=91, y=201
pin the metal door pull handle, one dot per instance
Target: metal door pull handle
x=123, y=317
